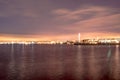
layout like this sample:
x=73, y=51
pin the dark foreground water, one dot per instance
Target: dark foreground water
x=59, y=62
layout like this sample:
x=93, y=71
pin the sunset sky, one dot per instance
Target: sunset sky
x=59, y=19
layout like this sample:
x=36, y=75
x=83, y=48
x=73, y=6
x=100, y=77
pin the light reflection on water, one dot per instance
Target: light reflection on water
x=92, y=65
x=59, y=62
x=11, y=65
x=116, y=73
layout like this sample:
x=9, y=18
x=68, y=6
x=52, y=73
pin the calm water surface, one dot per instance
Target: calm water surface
x=59, y=62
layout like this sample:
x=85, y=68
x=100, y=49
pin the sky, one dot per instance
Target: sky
x=59, y=19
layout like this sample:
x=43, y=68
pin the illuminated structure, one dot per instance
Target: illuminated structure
x=108, y=41
x=101, y=41
x=79, y=37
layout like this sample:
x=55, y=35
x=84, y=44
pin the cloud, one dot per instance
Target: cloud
x=100, y=23
x=89, y=19
x=83, y=13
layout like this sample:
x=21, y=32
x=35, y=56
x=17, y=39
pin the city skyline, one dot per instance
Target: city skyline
x=59, y=20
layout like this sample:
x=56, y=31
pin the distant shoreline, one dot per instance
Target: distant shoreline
x=59, y=44
x=97, y=44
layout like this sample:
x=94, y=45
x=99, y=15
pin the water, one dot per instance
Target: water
x=59, y=62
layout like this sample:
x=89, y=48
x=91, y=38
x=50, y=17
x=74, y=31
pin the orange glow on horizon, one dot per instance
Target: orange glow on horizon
x=58, y=37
